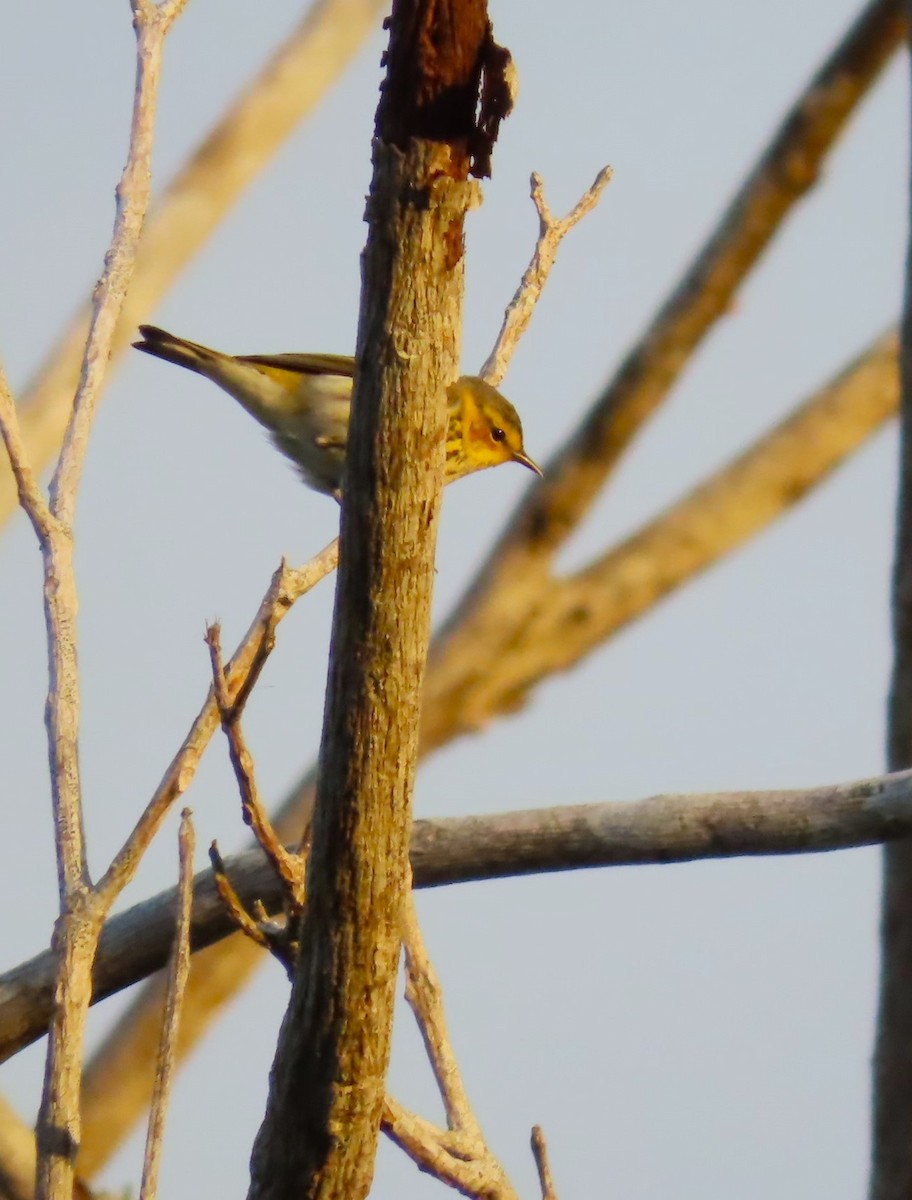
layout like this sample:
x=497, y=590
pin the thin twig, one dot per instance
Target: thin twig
x=551, y=232
x=289, y=866
x=540, y=1154
x=31, y=498
x=82, y=908
x=232, y=902
x=132, y=195
x=458, y=1155
x=425, y=998
x=178, y=972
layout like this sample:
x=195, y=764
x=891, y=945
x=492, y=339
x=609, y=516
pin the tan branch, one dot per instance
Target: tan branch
x=132, y=199
x=235, y=909
x=178, y=972
x=540, y=1154
x=458, y=1155
x=443, y=1154
x=571, y=616
x=202, y=193
x=82, y=908
x=17, y=1155
x=509, y=586
x=288, y=866
x=30, y=496
x=551, y=232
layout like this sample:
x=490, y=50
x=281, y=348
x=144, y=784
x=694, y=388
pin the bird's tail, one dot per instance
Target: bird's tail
x=162, y=344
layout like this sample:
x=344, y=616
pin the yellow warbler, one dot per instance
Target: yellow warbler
x=304, y=400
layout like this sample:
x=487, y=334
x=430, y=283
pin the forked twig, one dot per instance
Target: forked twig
x=232, y=901
x=289, y=866
x=280, y=938
x=458, y=1155
x=551, y=232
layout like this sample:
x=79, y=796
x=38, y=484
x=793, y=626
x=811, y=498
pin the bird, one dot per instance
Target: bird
x=304, y=401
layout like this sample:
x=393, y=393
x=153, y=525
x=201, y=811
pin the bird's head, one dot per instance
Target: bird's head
x=485, y=429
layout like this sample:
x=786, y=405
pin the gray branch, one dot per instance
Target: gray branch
x=660, y=829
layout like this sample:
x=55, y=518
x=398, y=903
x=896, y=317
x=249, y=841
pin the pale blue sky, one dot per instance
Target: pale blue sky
x=686, y=1031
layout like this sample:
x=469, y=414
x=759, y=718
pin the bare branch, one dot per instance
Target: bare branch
x=289, y=866
x=443, y=1155
x=425, y=998
x=659, y=829
x=178, y=972
x=232, y=901
x=551, y=232
x=82, y=909
x=540, y=1154
x=508, y=589
x=31, y=498
x=460, y=1155
x=132, y=195
x=569, y=617
x=17, y=1155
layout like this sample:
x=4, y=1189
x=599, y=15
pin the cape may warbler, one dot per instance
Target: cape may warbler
x=304, y=401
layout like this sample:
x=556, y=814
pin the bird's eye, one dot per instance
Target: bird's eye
x=497, y=435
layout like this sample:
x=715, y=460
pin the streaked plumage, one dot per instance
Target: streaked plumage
x=304, y=400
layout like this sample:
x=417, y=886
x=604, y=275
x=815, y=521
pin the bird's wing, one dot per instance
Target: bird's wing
x=305, y=364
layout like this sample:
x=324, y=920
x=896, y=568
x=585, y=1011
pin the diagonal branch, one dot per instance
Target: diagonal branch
x=459, y=1154
x=509, y=586
x=571, y=616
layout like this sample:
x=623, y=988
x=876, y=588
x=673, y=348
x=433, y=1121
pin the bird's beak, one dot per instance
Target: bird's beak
x=528, y=462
